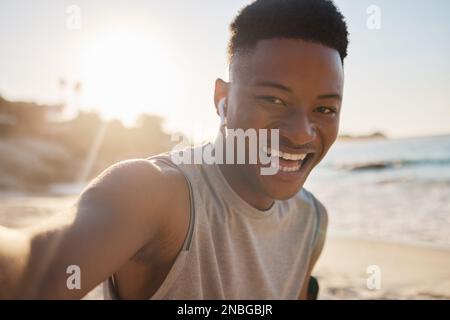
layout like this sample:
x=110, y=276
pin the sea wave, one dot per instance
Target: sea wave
x=392, y=164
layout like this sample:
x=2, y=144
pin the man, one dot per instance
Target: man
x=151, y=228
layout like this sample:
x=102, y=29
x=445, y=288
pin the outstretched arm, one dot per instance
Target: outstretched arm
x=112, y=219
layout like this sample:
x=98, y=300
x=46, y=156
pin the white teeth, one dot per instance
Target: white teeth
x=275, y=153
x=289, y=169
x=284, y=155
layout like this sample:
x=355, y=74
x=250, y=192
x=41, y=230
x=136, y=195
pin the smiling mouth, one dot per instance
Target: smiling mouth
x=289, y=162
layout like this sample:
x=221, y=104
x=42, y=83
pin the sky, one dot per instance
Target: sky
x=162, y=57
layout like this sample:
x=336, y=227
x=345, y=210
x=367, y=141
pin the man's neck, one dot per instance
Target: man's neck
x=237, y=182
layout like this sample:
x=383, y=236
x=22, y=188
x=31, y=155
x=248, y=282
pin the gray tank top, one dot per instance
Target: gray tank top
x=233, y=250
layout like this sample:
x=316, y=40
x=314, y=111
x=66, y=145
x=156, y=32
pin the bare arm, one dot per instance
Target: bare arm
x=116, y=215
x=317, y=249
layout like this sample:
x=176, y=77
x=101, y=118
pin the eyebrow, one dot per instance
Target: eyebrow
x=330, y=96
x=287, y=89
x=273, y=85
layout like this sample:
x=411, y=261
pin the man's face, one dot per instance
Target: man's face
x=294, y=86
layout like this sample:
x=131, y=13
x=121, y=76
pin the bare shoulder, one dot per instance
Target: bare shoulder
x=323, y=216
x=308, y=197
x=138, y=189
x=138, y=174
x=151, y=201
x=319, y=243
x=124, y=208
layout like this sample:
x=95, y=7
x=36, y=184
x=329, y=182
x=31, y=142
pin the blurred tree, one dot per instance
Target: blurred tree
x=44, y=151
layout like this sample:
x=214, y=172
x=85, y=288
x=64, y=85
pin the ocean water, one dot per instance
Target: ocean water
x=390, y=190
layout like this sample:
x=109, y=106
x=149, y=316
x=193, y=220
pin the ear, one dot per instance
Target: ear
x=220, y=92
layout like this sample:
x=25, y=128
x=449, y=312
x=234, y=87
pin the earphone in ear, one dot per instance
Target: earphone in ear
x=221, y=107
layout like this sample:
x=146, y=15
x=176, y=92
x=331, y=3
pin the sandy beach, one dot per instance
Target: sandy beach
x=405, y=271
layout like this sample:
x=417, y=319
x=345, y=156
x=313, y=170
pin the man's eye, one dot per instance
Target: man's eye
x=326, y=110
x=272, y=99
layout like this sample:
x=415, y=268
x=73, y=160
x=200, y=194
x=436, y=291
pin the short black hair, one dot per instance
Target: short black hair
x=317, y=21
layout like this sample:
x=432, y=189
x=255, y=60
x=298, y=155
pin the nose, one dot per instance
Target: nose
x=299, y=129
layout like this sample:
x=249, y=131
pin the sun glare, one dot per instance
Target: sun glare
x=124, y=74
